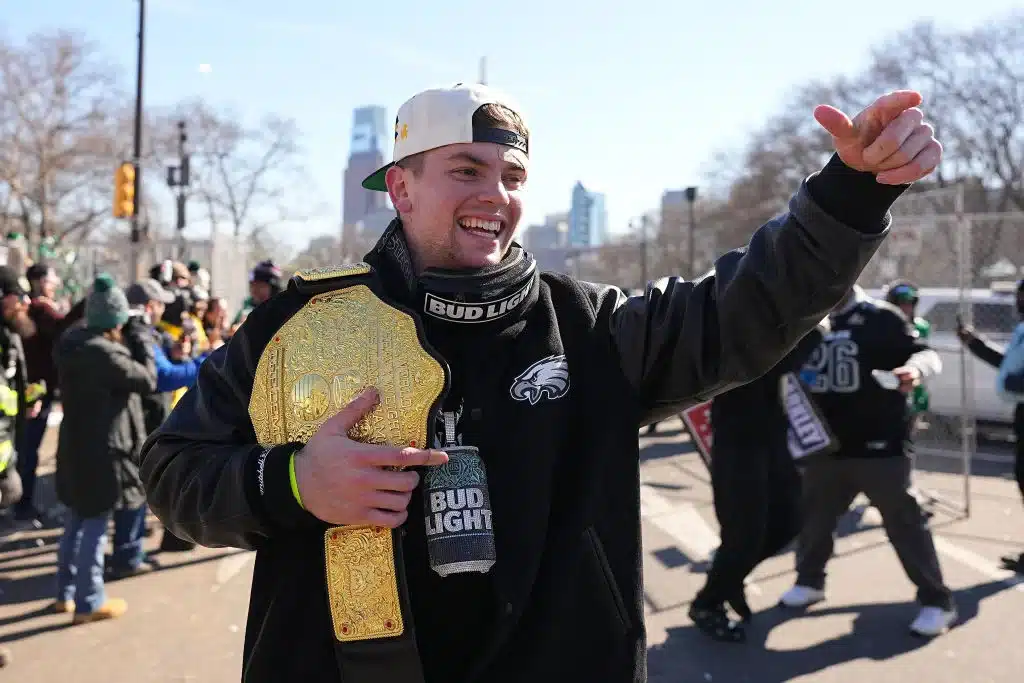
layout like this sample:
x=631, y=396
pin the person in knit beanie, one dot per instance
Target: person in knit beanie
x=106, y=307
x=97, y=476
x=265, y=280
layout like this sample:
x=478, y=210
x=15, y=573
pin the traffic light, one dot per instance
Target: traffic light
x=124, y=191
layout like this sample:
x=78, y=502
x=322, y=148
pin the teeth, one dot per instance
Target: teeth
x=480, y=224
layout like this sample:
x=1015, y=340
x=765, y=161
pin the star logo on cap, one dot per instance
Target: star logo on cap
x=405, y=130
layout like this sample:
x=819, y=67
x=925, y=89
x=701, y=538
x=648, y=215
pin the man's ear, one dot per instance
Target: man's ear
x=398, y=188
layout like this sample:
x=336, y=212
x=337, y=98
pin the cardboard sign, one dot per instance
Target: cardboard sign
x=697, y=420
x=808, y=433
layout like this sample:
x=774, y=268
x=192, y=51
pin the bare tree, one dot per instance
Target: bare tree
x=264, y=244
x=972, y=85
x=250, y=178
x=323, y=250
x=59, y=136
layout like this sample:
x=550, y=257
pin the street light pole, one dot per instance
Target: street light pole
x=136, y=235
x=691, y=198
x=178, y=177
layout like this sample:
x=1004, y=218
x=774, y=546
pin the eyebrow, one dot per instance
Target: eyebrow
x=477, y=161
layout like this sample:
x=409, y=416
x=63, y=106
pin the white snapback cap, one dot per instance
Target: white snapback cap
x=444, y=116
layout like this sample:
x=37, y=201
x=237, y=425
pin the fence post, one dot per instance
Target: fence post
x=968, y=432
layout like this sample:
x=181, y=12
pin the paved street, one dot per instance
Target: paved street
x=185, y=622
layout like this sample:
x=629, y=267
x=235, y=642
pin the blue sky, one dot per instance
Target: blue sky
x=629, y=97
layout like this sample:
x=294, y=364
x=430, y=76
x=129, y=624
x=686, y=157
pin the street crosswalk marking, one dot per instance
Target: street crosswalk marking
x=684, y=523
x=979, y=564
x=679, y=520
x=229, y=567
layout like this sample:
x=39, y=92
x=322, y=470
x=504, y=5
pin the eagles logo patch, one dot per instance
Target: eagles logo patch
x=548, y=377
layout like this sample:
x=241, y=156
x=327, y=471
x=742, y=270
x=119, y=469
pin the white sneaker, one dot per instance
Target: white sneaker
x=933, y=621
x=802, y=596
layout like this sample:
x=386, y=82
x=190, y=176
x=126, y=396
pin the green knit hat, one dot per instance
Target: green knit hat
x=107, y=307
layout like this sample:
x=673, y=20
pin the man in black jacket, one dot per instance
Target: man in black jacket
x=870, y=360
x=548, y=377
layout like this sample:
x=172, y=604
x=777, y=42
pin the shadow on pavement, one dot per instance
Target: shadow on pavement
x=655, y=450
x=36, y=581
x=850, y=524
x=38, y=630
x=936, y=464
x=879, y=633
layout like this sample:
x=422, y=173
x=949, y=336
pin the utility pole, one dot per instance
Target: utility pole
x=178, y=177
x=691, y=198
x=136, y=235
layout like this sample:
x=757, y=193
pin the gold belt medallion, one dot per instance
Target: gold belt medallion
x=338, y=344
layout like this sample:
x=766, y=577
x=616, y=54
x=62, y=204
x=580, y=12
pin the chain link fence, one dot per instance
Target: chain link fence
x=966, y=259
x=963, y=253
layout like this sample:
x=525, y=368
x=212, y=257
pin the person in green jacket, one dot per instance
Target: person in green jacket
x=904, y=295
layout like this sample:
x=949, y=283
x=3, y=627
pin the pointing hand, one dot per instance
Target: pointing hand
x=890, y=138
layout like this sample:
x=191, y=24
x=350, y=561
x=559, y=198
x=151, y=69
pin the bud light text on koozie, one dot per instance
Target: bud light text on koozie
x=457, y=514
x=457, y=510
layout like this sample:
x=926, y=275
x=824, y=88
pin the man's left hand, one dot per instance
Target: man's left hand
x=890, y=138
x=909, y=378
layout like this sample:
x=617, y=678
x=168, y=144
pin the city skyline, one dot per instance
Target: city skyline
x=632, y=101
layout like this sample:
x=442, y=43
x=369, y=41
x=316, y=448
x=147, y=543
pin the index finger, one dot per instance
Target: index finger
x=389, y=456
x=887, y=107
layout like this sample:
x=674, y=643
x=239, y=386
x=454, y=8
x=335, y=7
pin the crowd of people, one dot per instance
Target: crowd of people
x=111, y=366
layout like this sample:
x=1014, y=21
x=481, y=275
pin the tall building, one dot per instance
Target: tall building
x=370, y=140
x=549, y=242
x=551, y=234
x=674, y=235
x=588, y=220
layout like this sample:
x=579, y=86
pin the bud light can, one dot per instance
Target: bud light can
x=460, y=535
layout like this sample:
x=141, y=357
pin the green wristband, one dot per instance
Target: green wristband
x=293, y=480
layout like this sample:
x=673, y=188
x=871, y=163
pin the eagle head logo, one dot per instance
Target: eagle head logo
x=547, y=377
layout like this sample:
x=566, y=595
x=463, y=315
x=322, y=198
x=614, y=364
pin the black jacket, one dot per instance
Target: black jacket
x=139, y=337
x=103, y=427
x=866, y=335
x=752, y=417
x=564, y=474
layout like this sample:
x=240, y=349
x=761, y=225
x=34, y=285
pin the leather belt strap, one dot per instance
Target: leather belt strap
x=384, y=660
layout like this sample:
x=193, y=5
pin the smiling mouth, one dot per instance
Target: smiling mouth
x=481, y=227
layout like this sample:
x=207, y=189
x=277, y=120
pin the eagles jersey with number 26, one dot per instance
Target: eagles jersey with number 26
x=865, y=335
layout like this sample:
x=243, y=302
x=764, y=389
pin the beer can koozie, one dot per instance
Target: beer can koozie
x=460, y=535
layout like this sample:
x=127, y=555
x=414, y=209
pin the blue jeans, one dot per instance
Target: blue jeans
x=80, y=561
x=129, y=525
x=28, y=455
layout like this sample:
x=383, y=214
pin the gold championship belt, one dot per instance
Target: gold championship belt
x=344, y=340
